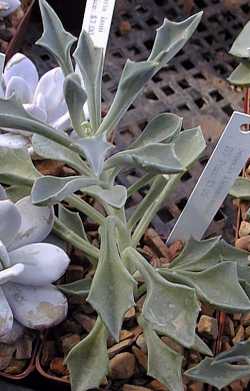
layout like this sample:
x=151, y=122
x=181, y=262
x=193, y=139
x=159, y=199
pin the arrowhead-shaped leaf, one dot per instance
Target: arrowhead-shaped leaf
x=198, y=255
x=72, y=220
x=50, y=190
x=170, y=309
x=164, y=364
x=241, y=75
x=90, y=62
x=189, y=146
x=111, y=292
x=75, y=97
x=228, y=296
x=241, y=189
x=162, y=128
x=170, y=38
x=200, y=346
x=115, y=196
x=218, y=375
x=16, y=167
x=95, y=149
x=88, y=361
x=79, y=287
x=156, y=158
x=239, y=352
x=55, y=38
x=50, y=150
x=240, y=46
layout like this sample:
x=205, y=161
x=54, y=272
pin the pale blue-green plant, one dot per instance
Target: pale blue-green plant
x=172, y=294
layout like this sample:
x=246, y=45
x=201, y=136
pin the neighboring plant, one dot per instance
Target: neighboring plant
x=8, y=6
x=206, y=271
x=43, y=99
x=27, y=269
x=241, y=49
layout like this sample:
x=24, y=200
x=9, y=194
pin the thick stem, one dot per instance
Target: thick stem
x=84, y=207
x=66, y=234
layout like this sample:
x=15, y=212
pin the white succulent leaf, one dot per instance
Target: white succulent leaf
x=21, y=66
x=6, y=316
x=42, y=263
x=13, y=335
x=36, y=307
x=36, y=224
x=27, y=269
x=10, y=221
x=7, y=7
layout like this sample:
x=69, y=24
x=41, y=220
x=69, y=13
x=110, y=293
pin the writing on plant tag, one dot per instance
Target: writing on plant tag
x=216, y=180
x=97, y=21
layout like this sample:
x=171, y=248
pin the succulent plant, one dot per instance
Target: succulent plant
x=164, y=152
x=8, y=6
x=27, y=269
x=43, y=99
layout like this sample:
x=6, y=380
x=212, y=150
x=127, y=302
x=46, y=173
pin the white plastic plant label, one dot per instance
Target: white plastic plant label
x=220, y=173
x=97, y=20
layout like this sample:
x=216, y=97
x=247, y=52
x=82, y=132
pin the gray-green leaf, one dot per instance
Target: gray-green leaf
x=79, y=287
x=50, y=150
x=156, y=158
x=240, y=46
x=171, y=309
x=16, y=167
x=239, y=352
x=241, y=189
x=55, y=38
x=88, y=361
x=75, y=97
x=90, y=62
x=228, y=296
x=241, y=75
x=164, y=363
x=163, y=127
x=72, y=220
x=111, y=292
x=217, y=374
x=50, y=190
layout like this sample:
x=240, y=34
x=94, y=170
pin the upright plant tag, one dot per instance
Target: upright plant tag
x=220, y=173
x=97, y=21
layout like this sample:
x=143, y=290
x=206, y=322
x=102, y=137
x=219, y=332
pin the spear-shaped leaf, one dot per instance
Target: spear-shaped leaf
x=79, y=287
x=163, y=127
x=171, y=309
x=241, y=75
x=239, y=352
x=75, y=97
x=153, y=158
x=48, y=149
x=50, y=190
x=111, y=292
x=90, y=62
x=228, y=296
x=170, y=38
x=218, y=374
x=88, y=361
x=55, y=38
x=240, y=46
x=164, y=364
x=16, y=167
x=241, y=189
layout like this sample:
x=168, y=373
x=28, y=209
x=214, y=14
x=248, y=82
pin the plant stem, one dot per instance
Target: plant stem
x=82, y=206
x=140, y=183
x=153, y=208
x=66, y=234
